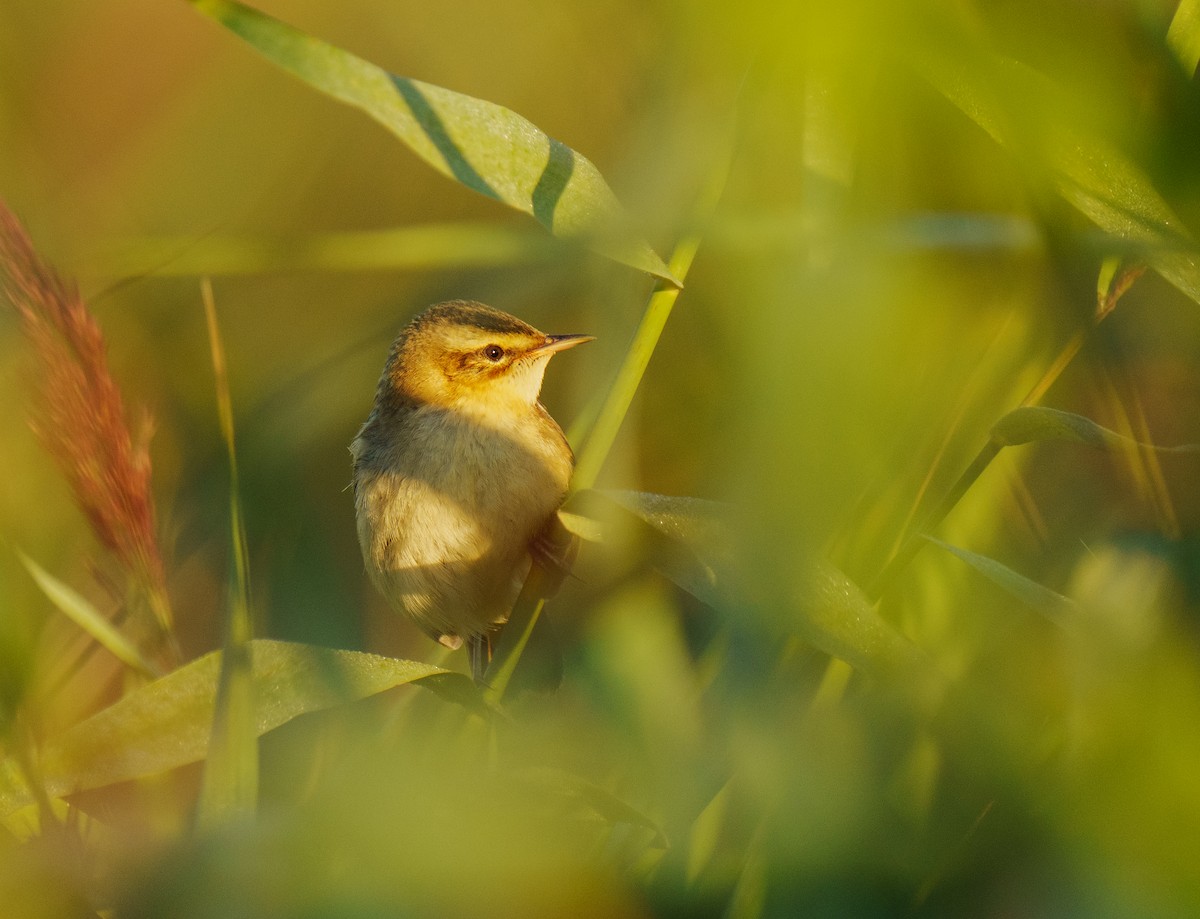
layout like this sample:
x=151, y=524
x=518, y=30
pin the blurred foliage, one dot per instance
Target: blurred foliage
x=922, y=204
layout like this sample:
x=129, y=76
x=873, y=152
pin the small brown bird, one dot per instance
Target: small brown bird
x=459, y=470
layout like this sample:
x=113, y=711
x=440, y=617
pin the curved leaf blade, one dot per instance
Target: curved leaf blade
x=1054, y=606
x=484, y=146
x=1087, y=170
x=422, y=247
x=88, y=618
x=1033, y=423
x=168, y=723
x=1183, y=36
x=230, y=785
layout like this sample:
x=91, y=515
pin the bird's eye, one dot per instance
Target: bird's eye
x=493, y=352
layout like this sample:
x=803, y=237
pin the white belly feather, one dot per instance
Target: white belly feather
x=447, y=542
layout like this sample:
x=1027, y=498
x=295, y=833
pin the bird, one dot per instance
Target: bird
x=459, y=471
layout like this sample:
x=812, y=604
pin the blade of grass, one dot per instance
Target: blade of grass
x=168, y=723
x=1026, y=113
x=88, y=618
x=637, y=357
x=1060, y=610
x=230, y=787
x=1184, y=34
x=462, y=244
x=515, y=637
x=486, y=147
x=1032, y=423
x=1112, y=284
x=79, y=415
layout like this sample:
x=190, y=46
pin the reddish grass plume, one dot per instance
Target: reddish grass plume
x=79, y=414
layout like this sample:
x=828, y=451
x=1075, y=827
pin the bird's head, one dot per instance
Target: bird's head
x=468, y=356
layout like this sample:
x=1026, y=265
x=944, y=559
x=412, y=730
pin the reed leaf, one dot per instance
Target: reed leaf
x=1054, y=606
x=1184, y=34
x=230, y=785
x=168, y=723
x=1088, y=171
x=87, y=617
x=1034, y=423
x=424, y=246
x=486, y=147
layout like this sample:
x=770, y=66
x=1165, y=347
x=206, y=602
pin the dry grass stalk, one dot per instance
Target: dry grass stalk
x=80, y=416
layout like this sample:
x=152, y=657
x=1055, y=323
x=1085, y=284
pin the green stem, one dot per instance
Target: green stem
x=515, y=637
x=658, y=310
x=230, y=784
x=913, y=543
x=1117, y=285
x=633, y=368
x=528, y=608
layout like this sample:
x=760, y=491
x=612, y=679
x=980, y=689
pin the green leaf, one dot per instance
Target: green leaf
x=1023, y=111
x=1032, y=423
x=1106, y=277
x=88, y=618
x=685, y=537
x=484, y=146
x=230, y=786
x=689, y=543
x=838, y=618
x=1054, y=606
x=1184, y=34
x=424, y=246
x=602, y=432
x=584, y=528
x=705, y=833
x=168, y=723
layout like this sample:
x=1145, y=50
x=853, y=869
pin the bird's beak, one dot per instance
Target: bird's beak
x=556, y=343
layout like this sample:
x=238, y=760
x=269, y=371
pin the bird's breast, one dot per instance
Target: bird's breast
x=505, y=481
x=447, y=507
x=511, y=465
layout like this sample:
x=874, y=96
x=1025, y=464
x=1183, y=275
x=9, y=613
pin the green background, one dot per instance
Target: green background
x=919, y=201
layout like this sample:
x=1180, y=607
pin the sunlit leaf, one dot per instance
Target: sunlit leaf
x=88, y=618
x=602, y=431
x=1032, y=423
x=420, y=246
x=1054, y=606
x=486, y=147
x=686, y=537
x=1088, y=171
x=168, y=723
x=1106, y=277
x=1184, y=34
x=706, y=832
x=585, y=528
x=838, y=618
